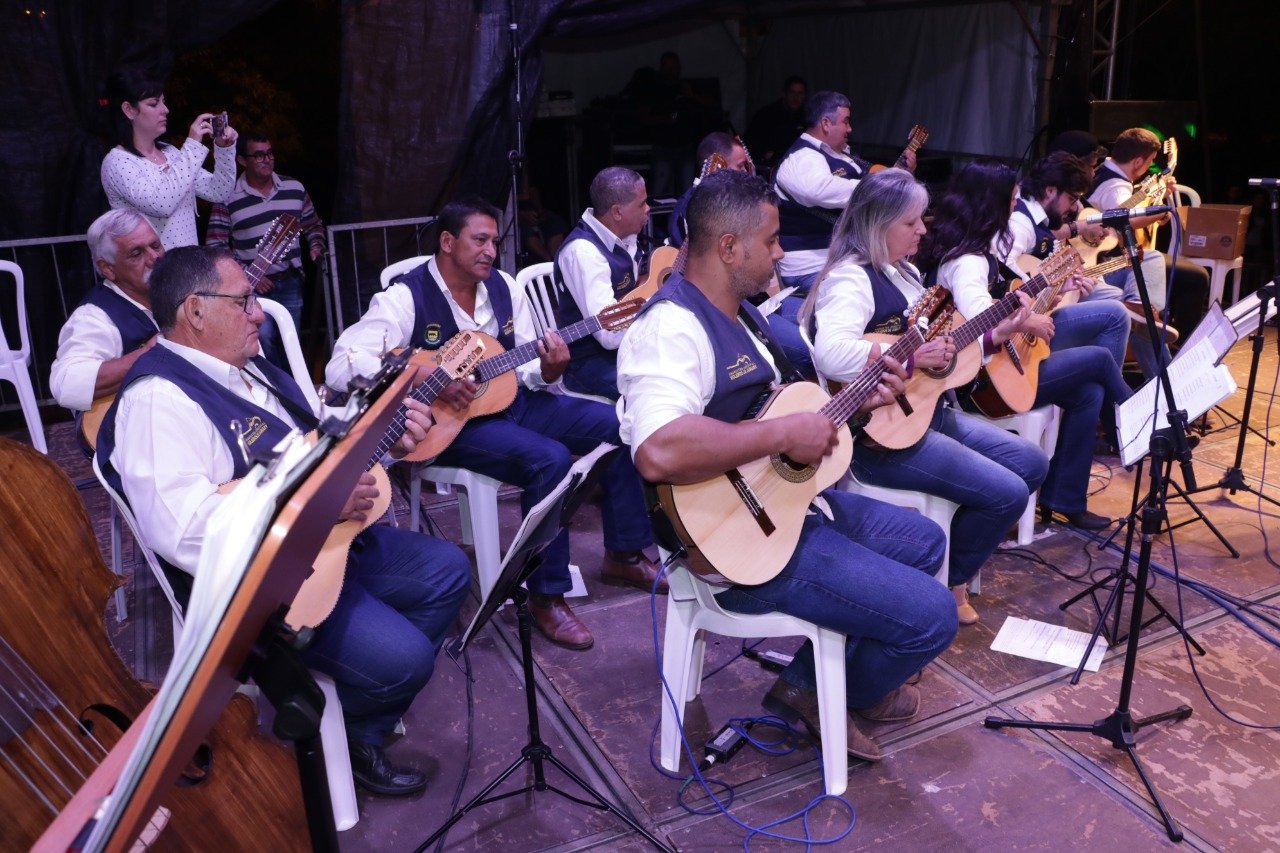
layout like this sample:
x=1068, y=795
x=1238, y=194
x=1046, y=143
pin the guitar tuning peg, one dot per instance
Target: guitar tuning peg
x=237, y=427
x=322, y=394
x=383, y=352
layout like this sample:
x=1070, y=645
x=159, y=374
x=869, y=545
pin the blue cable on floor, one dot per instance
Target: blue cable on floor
x=717, y=805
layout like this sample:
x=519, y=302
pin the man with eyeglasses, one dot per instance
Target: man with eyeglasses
x=167, y=445
x=258, y=198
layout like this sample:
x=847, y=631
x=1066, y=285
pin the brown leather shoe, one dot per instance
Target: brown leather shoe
x=1138, y=317
x=558, y=623
x=631, y=569
x=900, y=704
x=800, y=707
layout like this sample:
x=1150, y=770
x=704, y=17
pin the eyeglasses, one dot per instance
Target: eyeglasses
x=262, y=155
x=248, y=301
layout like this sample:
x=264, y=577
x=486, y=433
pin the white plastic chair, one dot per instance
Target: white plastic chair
x=1040, y=427
x=400, y=268
x=14, y=363
x=333, y=730
x=538, y=284
x=692, y=607
x=292, y=348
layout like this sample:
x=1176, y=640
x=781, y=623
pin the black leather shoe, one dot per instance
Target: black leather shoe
x=1084, y=519
x=373, y=772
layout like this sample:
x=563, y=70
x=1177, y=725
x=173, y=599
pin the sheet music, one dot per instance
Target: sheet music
x=1244, y=314
x=1216, y=327
x=1028, y=638
x=1199, y=383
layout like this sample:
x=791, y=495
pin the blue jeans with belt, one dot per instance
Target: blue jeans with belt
x=287, y=290
x=401, y=594
x=988, y=471
x=867, y=572
x=531, y=445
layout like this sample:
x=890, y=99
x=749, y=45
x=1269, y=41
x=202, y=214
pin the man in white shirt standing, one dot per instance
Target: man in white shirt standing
x=113, y=325
x=598, y=264
x=813, y=180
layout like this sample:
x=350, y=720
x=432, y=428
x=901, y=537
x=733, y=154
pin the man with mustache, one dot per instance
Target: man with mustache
x=531, y=444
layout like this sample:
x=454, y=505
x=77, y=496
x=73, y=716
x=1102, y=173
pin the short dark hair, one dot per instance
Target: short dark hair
x=613, y=185
x=1134, y=142
x=453, y=217
x=1059, y=169
x=823, y=105
x=243, y=140
x=180, y=273
x=792, y=80
x=130, y=85
x=716, y=142
x=725, y=202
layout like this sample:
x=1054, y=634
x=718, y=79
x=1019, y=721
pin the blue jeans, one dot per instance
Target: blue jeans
x=867, y=573
x=987, y=470
x=531, y=445
x=785, y=332
x=1080, y=380
x=287, y=290
x=596, y=374
x=402, y=593
x=1122, y=285
x=1103, y=323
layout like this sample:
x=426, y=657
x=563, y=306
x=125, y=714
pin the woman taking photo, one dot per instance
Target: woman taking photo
x=154, y=178
x=867, y=286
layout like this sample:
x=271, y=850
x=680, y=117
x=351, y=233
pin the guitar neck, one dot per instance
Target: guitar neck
x=846, y=403
x=426, y=393
x=1107, y=266
x=901, y=162
x=1000, y=310
x=256, y=270
x=513, y=358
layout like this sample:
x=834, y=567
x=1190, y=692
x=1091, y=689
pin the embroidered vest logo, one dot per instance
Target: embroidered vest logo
x=254, y=429
x=432, y=333
x=623, y=285
x=742, y=367
x=839, y=173
x=893, y=326
x=509, y=327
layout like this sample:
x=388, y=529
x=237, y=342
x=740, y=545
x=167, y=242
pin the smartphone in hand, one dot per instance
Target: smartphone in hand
x=219, y=124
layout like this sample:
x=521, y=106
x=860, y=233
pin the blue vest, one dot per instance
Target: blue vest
x=136, y=328
x=262, y=429
x=622, y=275
x=801, y=227
x=1044, y=237
x=742, y=374
x=429, y=303
x=676, y=230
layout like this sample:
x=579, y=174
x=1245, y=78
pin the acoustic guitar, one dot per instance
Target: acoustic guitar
x=271, y=248
x=319, y=592
x=915, y=140
x=898, y=427
x=1150, y=190
x=742, y=526
x=64, y=692
x=495, y=375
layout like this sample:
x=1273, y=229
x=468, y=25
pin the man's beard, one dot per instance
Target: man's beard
x=1055, y=219
x=744, y=285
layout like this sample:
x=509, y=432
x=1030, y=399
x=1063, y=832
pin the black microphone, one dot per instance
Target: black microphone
x=1264, y=182
x=1117, y=217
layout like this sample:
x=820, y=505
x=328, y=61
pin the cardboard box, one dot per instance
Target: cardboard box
x=1215, y=231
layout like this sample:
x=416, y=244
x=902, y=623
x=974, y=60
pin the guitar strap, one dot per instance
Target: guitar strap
x=301, y=415
x=786, y=369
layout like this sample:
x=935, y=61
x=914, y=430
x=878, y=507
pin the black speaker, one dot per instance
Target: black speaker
x=1107, y=119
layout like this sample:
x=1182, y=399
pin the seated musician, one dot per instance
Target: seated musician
x=1081, y=379
x=113, y=324
x=599, y=263
x=1132, y=156
x=868, y=286
x=166, y=446
x=730, y=153
x=531, y=443
x=814, y=180
x=862, y=568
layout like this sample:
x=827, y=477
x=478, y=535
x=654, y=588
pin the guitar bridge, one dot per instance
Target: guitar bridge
x=1013, y=356
x=752, y=503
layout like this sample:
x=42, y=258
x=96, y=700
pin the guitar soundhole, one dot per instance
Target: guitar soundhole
x=940, y=372
x=790, y=470
x=481, y=388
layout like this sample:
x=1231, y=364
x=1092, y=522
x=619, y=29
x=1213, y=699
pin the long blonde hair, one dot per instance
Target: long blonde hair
x=879, y=200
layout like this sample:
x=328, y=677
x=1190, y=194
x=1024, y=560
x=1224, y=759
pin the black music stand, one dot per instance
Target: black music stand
x=539, y=528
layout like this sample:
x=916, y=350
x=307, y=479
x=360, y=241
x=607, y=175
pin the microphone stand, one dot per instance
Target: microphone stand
x=516, y=156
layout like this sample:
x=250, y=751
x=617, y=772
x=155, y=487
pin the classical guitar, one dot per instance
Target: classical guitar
x=1150, y=190
x=271, y=248
x=64, y=691
x=495, y=375
x=899, y=427
x=915, y=140
x=319, y=592
x=1013, y=373
x=743, y=525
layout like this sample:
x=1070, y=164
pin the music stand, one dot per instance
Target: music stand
x=540, y=526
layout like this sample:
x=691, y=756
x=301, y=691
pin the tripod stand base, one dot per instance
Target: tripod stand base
x=1120, y=730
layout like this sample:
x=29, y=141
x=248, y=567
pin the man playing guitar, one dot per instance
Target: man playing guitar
x=689, y=370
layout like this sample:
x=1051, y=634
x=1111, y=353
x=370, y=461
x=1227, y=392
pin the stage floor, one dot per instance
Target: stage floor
x=946, y=783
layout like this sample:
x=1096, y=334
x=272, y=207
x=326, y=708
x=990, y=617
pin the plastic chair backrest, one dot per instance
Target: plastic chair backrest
x=292, y=349
x=538, y=283
x=23, y=351
x=400, y=268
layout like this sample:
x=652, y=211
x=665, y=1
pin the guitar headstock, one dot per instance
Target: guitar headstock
x=279, y=237
x=713, y=164
x=460, y=357
x=619, y=315
x=1171, y=155
x=919, y=136
x=1062, y=264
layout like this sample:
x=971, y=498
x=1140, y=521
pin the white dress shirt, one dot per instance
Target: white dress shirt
x=166, y=194
x=171, y=459
x=845, y=306
x=588, y=278
x=88, y=338
x=666, y=370
x=1021, y=232
x=1114, y=191
x=388, y=324
x=805, y=177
